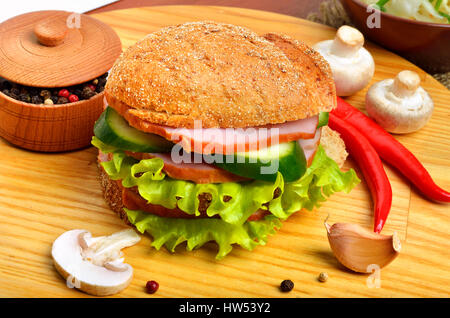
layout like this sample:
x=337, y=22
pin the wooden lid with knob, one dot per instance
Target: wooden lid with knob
x=56, y=48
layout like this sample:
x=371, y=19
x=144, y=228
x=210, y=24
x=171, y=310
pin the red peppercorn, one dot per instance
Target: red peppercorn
x=73, y=98
x=64, y=93
x=92, y=87
x=151, y=286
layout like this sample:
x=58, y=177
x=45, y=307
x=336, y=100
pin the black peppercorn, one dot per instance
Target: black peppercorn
x=5, y=91
x=286, y=285
x=77, y=92
x=62, y=100
x=101, y=82
x=25, y=97
x=15, y=91
x=54, y=99
x=36, y=99
x=45, y=94
x=87, y=93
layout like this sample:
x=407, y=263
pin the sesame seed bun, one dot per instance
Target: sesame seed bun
x=221, y=74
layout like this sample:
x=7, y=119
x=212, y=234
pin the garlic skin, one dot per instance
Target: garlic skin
x=351, y=64
x=356, y=247
x=399, y=105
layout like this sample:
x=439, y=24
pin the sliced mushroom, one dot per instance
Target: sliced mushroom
x=94, y=265
x=352, y=65
x=399, y=105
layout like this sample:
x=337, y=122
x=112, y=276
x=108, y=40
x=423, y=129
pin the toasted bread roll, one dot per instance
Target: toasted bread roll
x=221, y=74
x=333, y=145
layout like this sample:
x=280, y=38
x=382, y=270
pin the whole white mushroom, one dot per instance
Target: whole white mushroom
x=352, y=65
x=399, y=105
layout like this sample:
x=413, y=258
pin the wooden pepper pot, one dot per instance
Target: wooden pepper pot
x=49, y=128
x=40, y=50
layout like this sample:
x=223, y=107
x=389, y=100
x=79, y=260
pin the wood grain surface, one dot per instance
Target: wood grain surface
x=43, y=195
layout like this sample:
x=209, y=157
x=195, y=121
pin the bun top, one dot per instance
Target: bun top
x=221, y=74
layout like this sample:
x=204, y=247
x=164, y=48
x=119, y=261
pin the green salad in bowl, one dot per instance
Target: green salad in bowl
x=434, y=11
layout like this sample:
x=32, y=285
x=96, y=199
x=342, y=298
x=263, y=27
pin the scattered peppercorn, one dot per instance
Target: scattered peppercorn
x=323, y=277
x=286, y=285
x=95, y=82
x=73, y=98
x=151, y=287
x=92, y=87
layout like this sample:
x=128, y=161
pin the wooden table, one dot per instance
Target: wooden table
x=43, y=195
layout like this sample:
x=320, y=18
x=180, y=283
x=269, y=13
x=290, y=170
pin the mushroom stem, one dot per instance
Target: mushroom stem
x=405, y=84
x=347, y=42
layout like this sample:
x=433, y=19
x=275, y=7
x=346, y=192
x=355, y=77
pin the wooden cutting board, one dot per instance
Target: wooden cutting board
x=43, y=195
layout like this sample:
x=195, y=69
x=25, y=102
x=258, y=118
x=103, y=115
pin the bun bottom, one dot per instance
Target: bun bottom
x=113, y=195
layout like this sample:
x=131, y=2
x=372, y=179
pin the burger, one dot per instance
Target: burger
x=215, y=133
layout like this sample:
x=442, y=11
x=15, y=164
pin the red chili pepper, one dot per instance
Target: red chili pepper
x=371, y=166
x=392, y=151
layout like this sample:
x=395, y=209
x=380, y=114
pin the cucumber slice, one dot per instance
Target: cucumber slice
x=323, y=119
x=287, y=158
x=114, y=130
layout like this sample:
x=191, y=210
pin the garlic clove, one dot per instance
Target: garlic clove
x=356, y=247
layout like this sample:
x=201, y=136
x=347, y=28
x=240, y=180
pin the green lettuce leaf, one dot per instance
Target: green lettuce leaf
x=170, y=232
x=322, y=178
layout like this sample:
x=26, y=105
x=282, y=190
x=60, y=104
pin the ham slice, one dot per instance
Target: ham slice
x=310, y=146
x=207, y=173
x=232, y=140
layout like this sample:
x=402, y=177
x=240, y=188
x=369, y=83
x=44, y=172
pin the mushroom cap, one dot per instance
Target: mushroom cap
x=90, y=278
x=350, y=73
x=396, y=110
